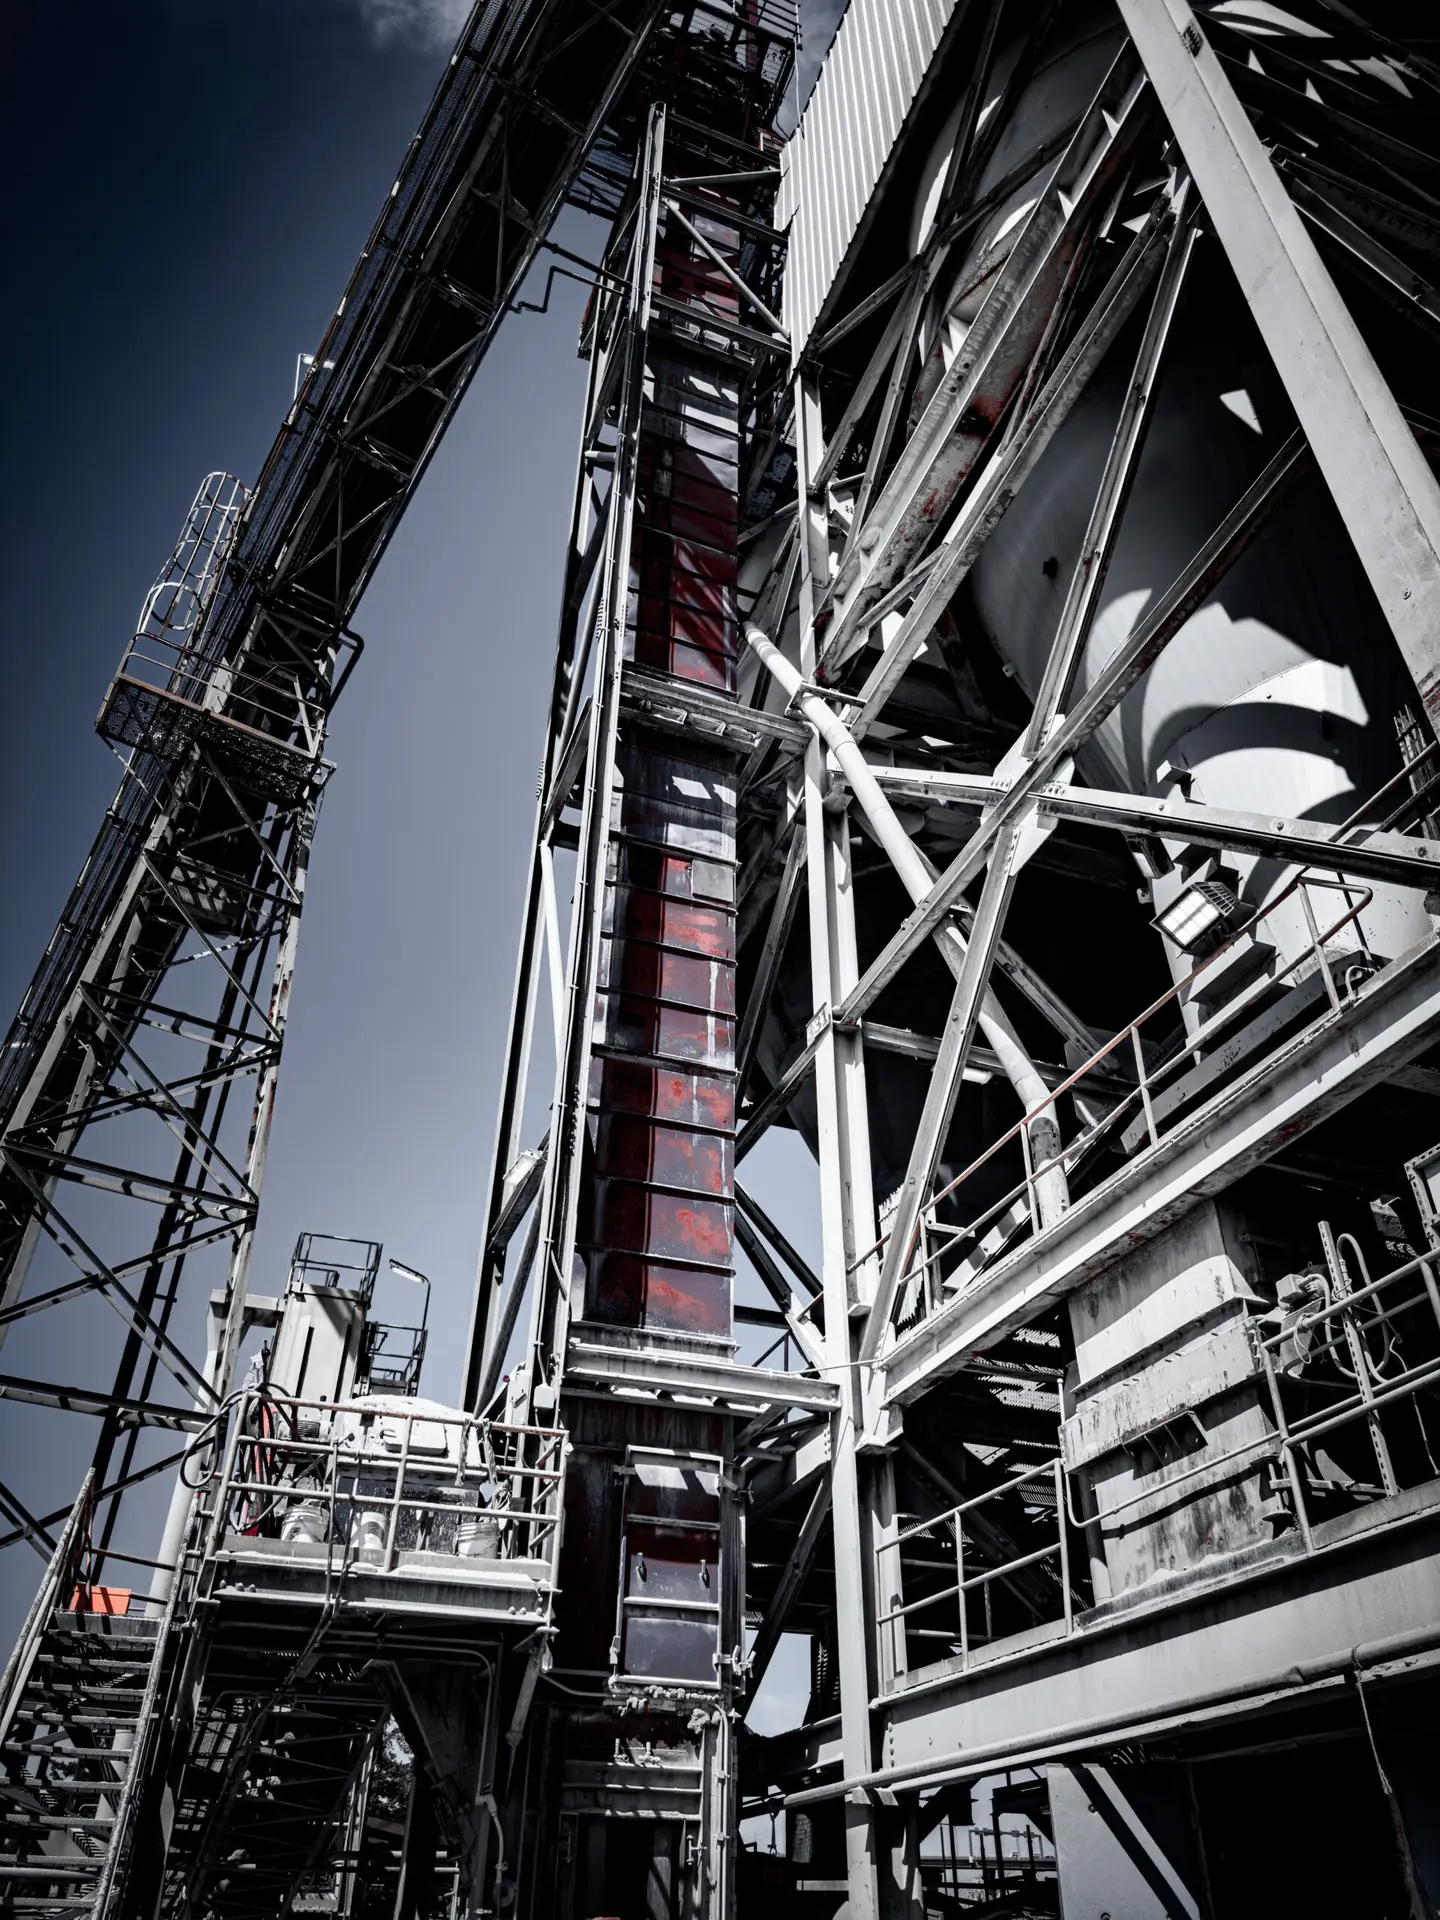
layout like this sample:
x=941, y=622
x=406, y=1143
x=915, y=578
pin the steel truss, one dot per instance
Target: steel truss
x=939, y=1309
x=165, y=987
x=918, y=1478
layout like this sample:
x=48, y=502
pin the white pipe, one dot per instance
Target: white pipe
x=1052, y=1191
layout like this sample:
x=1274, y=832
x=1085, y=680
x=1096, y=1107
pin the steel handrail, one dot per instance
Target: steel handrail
x=530, y=1531
x=1052, y=1470
x=1147, y=1081
x=59, y=1573
x=1289, y=1438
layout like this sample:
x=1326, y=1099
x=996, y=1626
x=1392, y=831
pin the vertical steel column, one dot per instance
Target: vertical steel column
x=535, y=934
x=560, y=1192
x=1387, y=495
x=847, y=1207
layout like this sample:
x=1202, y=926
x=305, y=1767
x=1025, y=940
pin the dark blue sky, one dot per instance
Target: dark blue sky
x=187, y=186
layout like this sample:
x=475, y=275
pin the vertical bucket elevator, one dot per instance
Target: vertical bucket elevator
x=991, y=744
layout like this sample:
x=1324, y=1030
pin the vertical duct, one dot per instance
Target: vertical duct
x=658, y=1241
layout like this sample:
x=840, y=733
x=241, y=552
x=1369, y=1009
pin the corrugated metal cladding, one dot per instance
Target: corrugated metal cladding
x=833, y=161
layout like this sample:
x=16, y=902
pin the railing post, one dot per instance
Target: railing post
x=1431, y=1290
x=227, y=1472
x=1359, y=1358
x=960, y=1587
x=1287, y=1450
x=393, y=1532
x=1144, y=1084
x=1030, y=1199
x=1317, y=946
x=1060, y=1512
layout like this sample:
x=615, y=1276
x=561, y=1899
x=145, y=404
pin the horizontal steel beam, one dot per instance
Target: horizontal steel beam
x=1280, y=1632
x=127, y=1413
x=655, y=1370
x=669, y=703
x=1393, y=1018
x=1388, y=857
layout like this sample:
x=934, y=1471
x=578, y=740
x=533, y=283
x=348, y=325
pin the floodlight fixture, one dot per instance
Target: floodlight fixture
x=1196, y=912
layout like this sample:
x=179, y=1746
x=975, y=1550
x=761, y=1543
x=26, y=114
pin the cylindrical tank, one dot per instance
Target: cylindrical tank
x=1278, y=698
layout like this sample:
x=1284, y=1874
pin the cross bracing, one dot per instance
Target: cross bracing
x=1047, y=608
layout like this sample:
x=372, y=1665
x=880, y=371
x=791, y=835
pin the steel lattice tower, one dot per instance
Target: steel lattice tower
x=992, y=735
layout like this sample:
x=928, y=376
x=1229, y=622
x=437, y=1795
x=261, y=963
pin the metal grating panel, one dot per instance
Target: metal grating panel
x=833, y=163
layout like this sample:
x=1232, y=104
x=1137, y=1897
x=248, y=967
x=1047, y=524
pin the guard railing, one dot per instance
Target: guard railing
x=383, y=1485
x=1129, y=1079
x=1348, y=1368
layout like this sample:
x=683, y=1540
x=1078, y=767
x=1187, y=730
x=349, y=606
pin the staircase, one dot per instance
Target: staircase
x=75, y=1706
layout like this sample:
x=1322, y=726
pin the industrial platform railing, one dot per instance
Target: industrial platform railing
x=1348, y=1368
x=388, y=1485
x=174, y=677
x=972, y=1578
x=989, y=1863
x=1133, y=1082
x=1349, y=1373
x=169, y=691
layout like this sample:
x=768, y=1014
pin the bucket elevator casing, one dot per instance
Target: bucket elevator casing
x=991, y=737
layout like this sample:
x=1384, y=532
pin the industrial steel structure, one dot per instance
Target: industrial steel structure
x=1004, y=527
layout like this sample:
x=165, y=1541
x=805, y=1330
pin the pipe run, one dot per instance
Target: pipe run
x=1078, y=1737
x=1051, y=1188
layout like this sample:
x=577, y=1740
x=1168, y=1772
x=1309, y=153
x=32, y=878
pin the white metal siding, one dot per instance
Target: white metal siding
x=834, y=160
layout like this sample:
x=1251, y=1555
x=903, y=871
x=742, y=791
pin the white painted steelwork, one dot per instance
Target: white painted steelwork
x=835, y=160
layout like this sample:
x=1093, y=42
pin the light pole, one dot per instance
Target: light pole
x=421, y=1280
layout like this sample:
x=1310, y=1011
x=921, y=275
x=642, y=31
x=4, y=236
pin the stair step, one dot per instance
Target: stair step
x=97, y=1663
x=60, y=1786
x=37, y=1903
x=23, y=1752
x=68, y=1822
x=88, y=1690
x=23, y=1903
x=77, y=1719
x=123, y=1710
x=103, y=1626
x=61, y=1867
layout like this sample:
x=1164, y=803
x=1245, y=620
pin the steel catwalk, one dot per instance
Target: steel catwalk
x=992, y=741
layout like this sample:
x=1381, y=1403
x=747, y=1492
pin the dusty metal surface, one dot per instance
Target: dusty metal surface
x=991, y=724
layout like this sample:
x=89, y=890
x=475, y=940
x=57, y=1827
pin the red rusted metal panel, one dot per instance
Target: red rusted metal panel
x=678, y=979
x=685, y=925
x=697, y=1100
x=655, y=870
x=633, y=1024
x=675, y=1157
x=685, y=662
x=657, y=1232
x=633, y=1218
x=630, y=1292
